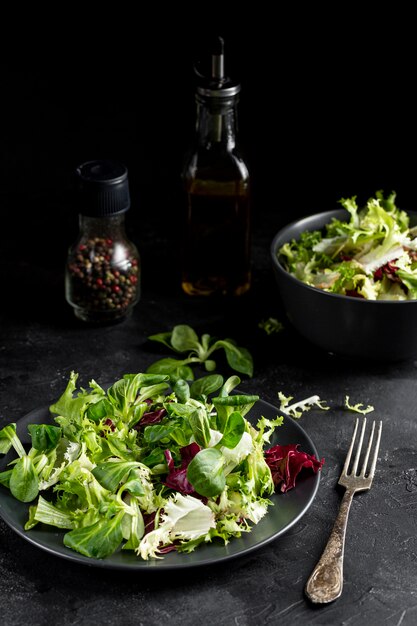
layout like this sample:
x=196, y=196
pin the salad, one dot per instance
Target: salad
x=373, y=255
x=145, y=467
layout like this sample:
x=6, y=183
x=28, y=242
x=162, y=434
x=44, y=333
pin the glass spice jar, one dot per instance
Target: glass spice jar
x=102, y=279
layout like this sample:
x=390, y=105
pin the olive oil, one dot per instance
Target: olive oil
x=216, y=241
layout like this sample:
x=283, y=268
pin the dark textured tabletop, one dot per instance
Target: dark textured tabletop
x=41, y=342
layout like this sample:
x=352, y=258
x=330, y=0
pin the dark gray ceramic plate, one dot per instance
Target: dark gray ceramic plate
x=287, y=510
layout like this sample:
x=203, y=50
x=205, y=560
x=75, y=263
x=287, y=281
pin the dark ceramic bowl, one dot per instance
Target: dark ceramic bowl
x=344, y=325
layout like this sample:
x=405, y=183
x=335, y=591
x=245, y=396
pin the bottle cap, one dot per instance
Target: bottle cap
x=216, y=84
x=103, y=187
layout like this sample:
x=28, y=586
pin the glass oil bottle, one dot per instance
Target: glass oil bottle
x=216, y=248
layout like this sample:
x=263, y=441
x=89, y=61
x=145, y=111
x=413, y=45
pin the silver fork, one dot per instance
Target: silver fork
x=326, y=581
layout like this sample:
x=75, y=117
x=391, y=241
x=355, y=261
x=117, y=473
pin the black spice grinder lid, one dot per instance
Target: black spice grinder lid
x=103, y=188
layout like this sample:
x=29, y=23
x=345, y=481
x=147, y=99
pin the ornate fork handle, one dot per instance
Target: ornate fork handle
x=326, y=581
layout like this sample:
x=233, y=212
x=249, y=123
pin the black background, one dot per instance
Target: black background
x=327, y=111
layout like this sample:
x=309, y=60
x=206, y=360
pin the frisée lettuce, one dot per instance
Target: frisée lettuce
x=373, y=255
x=147, y=468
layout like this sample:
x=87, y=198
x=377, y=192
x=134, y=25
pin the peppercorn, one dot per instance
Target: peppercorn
x=113, y=279
x=103, y=266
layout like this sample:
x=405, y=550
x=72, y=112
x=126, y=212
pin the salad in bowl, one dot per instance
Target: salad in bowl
x=372, y=255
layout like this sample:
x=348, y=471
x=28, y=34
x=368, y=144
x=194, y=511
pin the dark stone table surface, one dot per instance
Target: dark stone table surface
x=41, y=342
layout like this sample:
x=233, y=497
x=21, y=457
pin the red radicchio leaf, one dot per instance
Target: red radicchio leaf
x=286, y=462
x=188, y=453
x=169, y=460
x=378, y=274
x=167, y=549
x=353, y=293
x=108, y=422
x=153, y=417
x=149, y=521
x=177, y=477
x=389, y=269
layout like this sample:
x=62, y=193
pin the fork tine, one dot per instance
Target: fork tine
x=375, y=457
x=349, y=454
x=358, y=452
x=368, y=450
